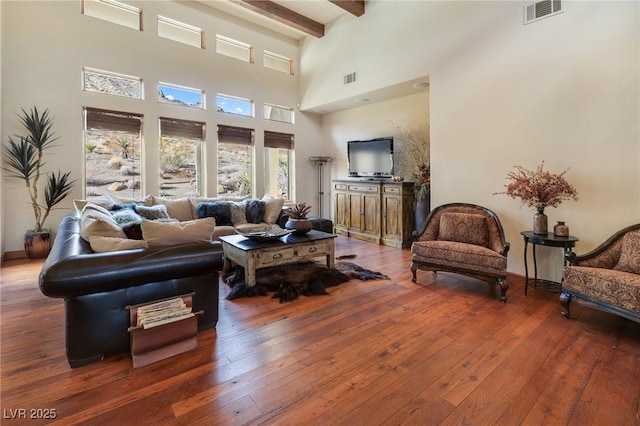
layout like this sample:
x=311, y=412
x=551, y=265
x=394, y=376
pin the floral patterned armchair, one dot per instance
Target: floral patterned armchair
x=466, y=239
x=607, y=278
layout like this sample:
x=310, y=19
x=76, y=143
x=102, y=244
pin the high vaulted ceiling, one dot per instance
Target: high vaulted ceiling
x=292, y=18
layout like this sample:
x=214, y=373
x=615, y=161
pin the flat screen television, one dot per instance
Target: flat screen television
x=372, y=158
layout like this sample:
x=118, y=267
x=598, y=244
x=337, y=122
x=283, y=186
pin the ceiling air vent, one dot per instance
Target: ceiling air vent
x=542, y=9
x=350, y=78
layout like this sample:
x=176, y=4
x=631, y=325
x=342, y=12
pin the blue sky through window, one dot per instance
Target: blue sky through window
x=234, y=105
x=178, y=95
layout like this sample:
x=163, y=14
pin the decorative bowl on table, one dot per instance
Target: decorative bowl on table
x=272, y=232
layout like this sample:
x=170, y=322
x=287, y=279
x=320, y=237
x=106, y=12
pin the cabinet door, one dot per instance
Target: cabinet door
x=355, y=212
x=391, y=215
x=341, y=210
x=371, y=214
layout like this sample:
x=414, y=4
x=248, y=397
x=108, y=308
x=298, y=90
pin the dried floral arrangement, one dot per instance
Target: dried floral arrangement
x=299, y=211
x=539, y=188
x=415, y=156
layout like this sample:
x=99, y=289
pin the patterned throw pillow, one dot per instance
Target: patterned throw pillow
x=238, y=214
x=158, y=211
x=464, y=228
x=219, y=210
x=630, y=255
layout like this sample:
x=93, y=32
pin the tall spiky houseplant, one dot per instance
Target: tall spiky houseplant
x=24, y=159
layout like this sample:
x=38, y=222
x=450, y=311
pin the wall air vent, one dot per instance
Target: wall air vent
x=350, y=78
x=542, y=9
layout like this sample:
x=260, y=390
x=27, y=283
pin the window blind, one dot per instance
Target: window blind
x=278, y=140
x=231, y=134
x=112, y=120
x=181, y=128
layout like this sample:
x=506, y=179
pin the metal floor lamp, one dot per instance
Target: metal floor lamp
x=320, y=161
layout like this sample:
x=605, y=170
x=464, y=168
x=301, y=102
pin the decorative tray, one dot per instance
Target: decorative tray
x=271, y=233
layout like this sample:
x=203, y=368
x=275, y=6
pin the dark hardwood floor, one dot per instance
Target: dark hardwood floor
x=445, y=351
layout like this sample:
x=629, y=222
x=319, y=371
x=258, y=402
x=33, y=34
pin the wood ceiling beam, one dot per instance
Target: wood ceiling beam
x=282, y=14
x=354, y=7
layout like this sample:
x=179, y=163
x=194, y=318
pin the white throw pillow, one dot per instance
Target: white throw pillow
x=179, y=208
x=272, y=208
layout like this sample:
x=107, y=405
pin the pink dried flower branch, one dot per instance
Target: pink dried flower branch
x=539, y=188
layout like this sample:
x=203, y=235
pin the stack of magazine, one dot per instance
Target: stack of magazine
x=164, y=312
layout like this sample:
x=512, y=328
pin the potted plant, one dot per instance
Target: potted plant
x=298, y=220
x=24, y=159
x=415, y=159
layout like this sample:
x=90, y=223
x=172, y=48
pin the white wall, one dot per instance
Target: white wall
x=46, y=44
x=371, y=121
x=564, y=90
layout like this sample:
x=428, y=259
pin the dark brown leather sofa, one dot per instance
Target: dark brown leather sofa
x=97, y=287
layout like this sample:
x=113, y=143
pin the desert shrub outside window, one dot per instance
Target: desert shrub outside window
x=235, y=161
x=278, y=164
x=181, y=143
x=112, y=152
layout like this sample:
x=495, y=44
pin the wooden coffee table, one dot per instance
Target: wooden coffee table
x=253, y=255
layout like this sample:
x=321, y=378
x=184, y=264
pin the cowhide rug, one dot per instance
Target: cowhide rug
x=289, y=281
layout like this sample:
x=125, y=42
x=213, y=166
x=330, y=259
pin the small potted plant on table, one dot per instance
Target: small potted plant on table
x=298, y=220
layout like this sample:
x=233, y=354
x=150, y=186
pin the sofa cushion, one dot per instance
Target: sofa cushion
x=219, y=210
x=125, y=216
x=471, y=257
x=97, y=221
x=147, y=200
x=617, y=288
x=464, y=228
x=179, y=208
x=153, y=213
x=238, y=213
x=197, y=200
x=164, y=234
x=272, y=209
x=220, y=231
x=254, y=210
x=630, y=254
x=103, y=201
x=107, y=244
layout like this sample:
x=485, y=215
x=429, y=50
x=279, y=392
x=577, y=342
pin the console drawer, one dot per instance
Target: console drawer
x=311, y=250
x=275, y=256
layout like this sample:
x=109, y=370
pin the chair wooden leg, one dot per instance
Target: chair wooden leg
x=504, y=286
x=414, y=268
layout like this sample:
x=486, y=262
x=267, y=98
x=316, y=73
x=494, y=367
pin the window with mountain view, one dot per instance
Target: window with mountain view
x=235, y=160
x=180, y=95
x=278, y=162
x=181, y=165
x=112, y=148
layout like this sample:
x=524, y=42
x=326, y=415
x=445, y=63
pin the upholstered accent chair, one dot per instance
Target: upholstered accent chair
x=607, y=278
x=466, y=239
